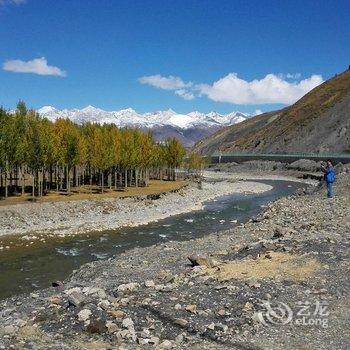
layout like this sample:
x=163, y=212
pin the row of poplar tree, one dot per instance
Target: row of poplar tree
x=38, y=155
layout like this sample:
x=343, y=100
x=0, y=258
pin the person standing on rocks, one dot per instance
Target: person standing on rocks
x=329, y=177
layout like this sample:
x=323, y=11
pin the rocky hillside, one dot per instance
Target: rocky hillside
x=318, y=122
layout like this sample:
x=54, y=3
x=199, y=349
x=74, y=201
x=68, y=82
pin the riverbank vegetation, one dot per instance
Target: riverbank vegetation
x=38, y=156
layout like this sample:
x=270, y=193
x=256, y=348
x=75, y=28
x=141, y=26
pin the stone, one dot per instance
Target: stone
x=20, y=323
x=165, y=276
x=256, y=317
x=96, y=326
x=84, y=315
x=279, y=232
x=56, y=300
x=104, y=304
x=166, y=344
x=57, y=284
x=142, y=341
x=118, y=314
x=111, y=327
x=127, y=323
x=154, y=341
x=304, y=165
x=198, y=260
x=221, y=312
x=9, y=330
x=95, y=291
x=179, y=339
x=221, y=327
x=76, y=298
x=149, y=284
x=71, y=290
x=128, y=287
x=191, y=308
x=177, y=307
x=123, y=334
x=181, y=322
x=211, y=326
x=253, y=283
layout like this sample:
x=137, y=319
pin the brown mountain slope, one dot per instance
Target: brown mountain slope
x=318, y=122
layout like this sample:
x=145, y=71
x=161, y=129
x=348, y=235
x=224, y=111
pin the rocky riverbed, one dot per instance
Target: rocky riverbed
x=81, y=216
x=280, y=281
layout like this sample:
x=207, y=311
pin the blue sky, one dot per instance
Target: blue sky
x=182, y=54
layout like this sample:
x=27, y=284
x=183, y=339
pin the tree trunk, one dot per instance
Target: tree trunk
x=6, y=188
x=23, y=180
x=68, y=179
x=33, y=185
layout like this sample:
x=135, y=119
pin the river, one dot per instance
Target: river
x=24, y=269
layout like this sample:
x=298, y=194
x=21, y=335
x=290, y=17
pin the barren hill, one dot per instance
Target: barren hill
x=318, y=122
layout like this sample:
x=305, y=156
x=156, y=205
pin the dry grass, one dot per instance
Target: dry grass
x=155, y=187
x=275, y=265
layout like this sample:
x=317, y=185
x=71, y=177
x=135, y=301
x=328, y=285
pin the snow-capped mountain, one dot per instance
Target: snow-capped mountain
x=129, y=117
x=187, y=127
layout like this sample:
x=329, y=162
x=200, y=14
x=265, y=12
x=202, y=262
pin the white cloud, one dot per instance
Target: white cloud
x=35, y=66
x=292, y=76
x=165, y=83
x=271, y=89
x=258, y=111
x=187, y=95
x=12, y=2
x=169, y=83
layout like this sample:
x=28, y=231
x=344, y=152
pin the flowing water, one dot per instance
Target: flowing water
x=24, y=269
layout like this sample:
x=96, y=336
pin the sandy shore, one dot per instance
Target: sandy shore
x=76, y=217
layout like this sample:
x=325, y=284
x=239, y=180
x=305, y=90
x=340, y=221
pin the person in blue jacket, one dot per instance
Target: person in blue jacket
x=329, y=177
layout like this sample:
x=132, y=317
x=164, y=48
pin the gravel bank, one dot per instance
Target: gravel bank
x=73, y=217
x=296, y=252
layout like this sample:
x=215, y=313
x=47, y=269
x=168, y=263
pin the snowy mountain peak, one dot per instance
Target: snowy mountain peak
x=129, y=117
x=46, y=109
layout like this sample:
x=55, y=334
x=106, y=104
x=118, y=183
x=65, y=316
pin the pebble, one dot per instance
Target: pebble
x=166, y=344
x=128, y=287
x=127, y=323
x=84, y=315
x=149, y=284
x=191, y=308
x=181, y=322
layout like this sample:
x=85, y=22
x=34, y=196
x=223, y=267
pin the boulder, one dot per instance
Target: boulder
x=305, y=165
x=200, y=260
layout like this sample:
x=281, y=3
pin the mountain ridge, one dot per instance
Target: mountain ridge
x=129, y=117
x=318, y=122
x=188, y=128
